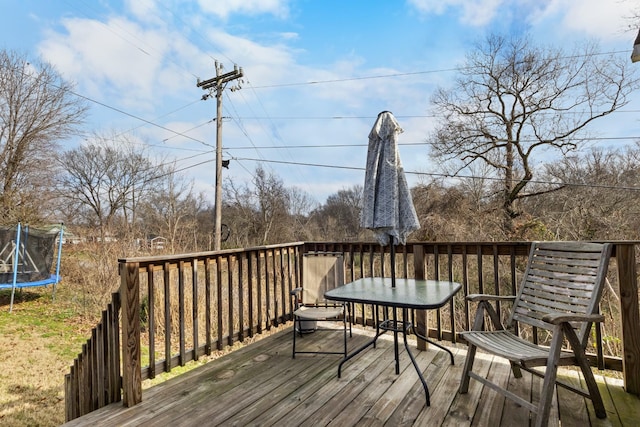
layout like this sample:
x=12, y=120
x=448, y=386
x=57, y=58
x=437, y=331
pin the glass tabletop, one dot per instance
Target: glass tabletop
x=407, y=293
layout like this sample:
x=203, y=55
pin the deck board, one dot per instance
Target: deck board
x=260, y=384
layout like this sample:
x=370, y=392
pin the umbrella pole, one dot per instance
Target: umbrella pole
x=393, y=264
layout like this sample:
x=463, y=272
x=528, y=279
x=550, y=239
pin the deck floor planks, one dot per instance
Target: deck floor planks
x=217, y=386
x=627, y=406
x=260, y=384
x=362, y=383
x=491, y=404
x=518, y=415
x=464, y=405
x=410, y=408
x=445, y=391
x=321, y=397
x=249, y=388
x=283, y=403
x=380, y=411
x=613, y=419
x=572, y=407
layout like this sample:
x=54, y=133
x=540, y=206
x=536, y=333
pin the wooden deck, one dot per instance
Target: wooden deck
x=261, y=385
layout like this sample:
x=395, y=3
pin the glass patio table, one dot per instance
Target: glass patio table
x=408, y=295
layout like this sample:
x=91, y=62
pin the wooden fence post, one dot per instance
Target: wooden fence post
x=131, y=358
x=630, y=316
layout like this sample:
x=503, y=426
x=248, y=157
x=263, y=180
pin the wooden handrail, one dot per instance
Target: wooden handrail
x=227, y=296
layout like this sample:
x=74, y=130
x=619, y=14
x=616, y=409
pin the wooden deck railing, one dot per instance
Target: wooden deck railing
x=180, y=307
x=94, y=380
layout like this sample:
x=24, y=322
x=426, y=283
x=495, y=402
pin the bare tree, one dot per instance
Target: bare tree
x=600, y=200
x=301, y=204
x=103, y=181
x=339, y=217
x=37, y=111
x=171, y=211
x=512, y=101
x=265, y=212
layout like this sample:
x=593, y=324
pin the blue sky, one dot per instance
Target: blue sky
x=317, y=73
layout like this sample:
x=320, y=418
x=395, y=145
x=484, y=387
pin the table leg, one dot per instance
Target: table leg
x=422, y=337
x=365, y=346
x=395, y=340
x=415, y=365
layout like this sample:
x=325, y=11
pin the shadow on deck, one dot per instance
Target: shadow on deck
x=260, y=384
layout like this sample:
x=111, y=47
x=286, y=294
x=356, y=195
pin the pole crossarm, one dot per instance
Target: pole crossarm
x=221, y=79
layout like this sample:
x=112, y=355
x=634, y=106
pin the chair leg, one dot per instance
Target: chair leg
x=515, y=368
x=293, y=356
x=549, y=382
x=478, y=325
x=468, y=365
x=344, y=320
x=594, y=392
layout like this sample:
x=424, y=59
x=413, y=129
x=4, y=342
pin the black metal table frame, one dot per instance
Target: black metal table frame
x=395, y=326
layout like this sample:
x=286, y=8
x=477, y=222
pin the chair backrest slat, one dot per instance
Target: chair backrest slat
x=562, y=277
x=322, y=271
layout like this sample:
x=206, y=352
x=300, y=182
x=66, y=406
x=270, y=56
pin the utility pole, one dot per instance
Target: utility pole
x=218, y=84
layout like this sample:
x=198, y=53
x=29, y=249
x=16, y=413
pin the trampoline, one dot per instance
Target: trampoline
x=26, y=258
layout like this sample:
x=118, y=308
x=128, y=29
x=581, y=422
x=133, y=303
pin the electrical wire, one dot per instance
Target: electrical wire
x=444, y=175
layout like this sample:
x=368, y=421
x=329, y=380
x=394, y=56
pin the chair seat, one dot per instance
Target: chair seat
x=510, y=346
x=318, y=313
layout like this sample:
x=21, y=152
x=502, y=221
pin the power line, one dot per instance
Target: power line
x=444, y=175
x=410, y=73
x=421, y=143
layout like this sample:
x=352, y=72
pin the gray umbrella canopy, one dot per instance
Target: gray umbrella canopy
x=387, y=205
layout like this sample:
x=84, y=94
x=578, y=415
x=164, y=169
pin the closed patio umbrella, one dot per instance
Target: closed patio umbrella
x=387, y=204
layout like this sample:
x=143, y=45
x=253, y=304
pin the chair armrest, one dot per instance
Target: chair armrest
x=488, y=297
x=295, y=294
x=557, y=318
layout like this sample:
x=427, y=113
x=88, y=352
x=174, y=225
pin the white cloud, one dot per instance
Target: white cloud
x=603, y=19
x=144, y=10
x=119, y=57
x=473, y=12
x=606, y=20
x=224, y=8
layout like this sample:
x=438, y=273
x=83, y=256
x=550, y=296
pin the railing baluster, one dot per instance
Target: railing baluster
x=194, y=308
x=167, y=316
x=250, y=286
x=219, y=301
x=267, y=292
x=230, y=300
x=151, y=320
x=496, y=277
x=181, y=314
x=207, y=304
x=259, y=288
x=240, y=260
x=465, y=287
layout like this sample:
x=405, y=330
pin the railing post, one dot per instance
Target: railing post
x=131, y=364
x=630, y=316
x=422, y=319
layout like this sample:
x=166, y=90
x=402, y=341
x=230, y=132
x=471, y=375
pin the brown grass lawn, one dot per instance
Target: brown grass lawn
x=38, y=342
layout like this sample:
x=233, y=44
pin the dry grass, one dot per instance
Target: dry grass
x=38, y=342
